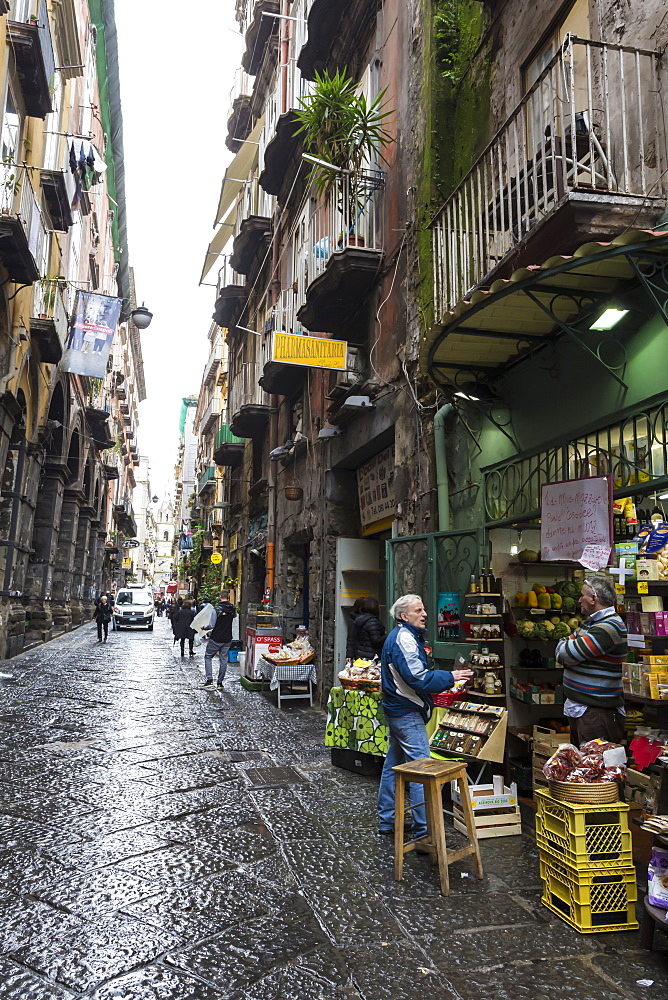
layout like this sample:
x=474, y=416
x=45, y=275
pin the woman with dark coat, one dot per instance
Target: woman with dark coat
x=181, y=621
x=366, y=633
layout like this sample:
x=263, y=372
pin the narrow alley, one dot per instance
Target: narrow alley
x=160, y=841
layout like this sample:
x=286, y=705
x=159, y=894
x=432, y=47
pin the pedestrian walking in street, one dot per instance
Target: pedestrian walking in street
x=366, y=632
x=407, y=684
x=102, y=616
x=220, y=638
x=592, y=659
x=181, y=627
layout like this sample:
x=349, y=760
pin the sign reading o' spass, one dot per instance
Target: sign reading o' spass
x=216, y=558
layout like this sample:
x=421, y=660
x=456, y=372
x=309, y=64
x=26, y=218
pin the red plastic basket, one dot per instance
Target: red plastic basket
x=446, y=698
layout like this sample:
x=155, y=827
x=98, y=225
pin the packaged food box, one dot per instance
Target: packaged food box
x=647, y=569
x=652, y=603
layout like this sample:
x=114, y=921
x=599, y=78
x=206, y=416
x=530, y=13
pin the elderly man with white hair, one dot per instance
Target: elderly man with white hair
x=407, y=684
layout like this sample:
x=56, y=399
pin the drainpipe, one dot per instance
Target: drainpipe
x=442, y=488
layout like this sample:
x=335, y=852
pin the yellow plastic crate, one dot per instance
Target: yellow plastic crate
x=602, y=847
x=591, y=902
x=574, y=818
x=583, y=836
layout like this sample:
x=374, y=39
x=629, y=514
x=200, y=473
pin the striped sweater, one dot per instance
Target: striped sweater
x=592, y=659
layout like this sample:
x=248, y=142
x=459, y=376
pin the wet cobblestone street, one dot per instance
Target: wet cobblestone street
x=148, y=853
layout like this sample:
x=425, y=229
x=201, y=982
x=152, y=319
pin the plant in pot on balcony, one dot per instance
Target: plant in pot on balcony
x=342, y=128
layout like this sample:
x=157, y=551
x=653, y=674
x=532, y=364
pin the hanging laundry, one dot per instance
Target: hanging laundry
x=74, y=167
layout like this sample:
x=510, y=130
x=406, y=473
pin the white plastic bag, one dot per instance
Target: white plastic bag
x=204, y=620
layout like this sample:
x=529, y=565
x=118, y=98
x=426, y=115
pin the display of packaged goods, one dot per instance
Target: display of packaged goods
x=647, y=569
x=478, y=658
x=537, y=694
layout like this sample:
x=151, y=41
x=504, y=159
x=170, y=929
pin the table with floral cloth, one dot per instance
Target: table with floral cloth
x=356, y=721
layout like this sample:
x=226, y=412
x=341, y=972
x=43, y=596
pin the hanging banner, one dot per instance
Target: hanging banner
x=375, y=487
x=313, y=352
x=92, y=327
x=576, y=521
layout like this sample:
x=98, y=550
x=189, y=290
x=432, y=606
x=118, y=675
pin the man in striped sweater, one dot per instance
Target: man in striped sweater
x=592, y=659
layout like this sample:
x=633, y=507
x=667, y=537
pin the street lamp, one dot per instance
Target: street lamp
x=154, y=499
x=141, y=317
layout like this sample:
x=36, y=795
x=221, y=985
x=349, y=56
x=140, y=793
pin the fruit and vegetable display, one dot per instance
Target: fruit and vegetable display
x=561, y=597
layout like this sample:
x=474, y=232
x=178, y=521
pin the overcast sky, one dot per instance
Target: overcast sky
x=176, y=76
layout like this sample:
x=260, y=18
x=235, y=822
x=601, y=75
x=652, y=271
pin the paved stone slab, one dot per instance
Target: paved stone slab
x=17, y=983
x=574, y=980
x=81, y=955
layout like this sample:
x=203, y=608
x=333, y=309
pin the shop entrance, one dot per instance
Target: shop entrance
x=360, y=572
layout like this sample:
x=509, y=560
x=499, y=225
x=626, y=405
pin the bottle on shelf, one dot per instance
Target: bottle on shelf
x=473, y=586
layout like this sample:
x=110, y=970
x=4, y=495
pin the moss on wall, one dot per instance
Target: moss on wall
x=456, y=85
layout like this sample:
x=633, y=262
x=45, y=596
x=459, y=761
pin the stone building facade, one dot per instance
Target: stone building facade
x=63, y=228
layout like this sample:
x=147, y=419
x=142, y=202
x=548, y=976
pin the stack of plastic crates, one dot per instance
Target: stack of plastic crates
x=586, y=864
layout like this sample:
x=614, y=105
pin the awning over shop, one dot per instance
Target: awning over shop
x=495, y=328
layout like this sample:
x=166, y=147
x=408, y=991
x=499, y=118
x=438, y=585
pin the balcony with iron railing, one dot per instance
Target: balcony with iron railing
x=280, y=143
x=49, y=322
x=332, y=32
x=229, y=448
x=211, y=413
x=29, y=38
x=259, y=24
x=248, y=403
x=344, y=251
x=231, y=294
x=59, y=191
x=212, y=364
x=22, y=231
x=240, y=119
x=253, y=225
x=277, y=376
x=582, y=157
x=207, y=480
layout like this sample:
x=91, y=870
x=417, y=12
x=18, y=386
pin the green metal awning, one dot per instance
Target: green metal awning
x=497, y=327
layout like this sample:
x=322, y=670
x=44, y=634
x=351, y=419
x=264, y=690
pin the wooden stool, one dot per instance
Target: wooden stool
x=432, y=775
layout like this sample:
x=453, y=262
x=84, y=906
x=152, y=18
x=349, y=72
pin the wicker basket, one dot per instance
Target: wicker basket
x=293, y=491
x=294, y=661
x=595, y=793
x=351, y=685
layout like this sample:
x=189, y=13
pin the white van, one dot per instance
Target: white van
x=134, y=606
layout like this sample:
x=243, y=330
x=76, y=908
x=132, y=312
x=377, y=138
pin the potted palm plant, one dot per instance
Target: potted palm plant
x=346, y=132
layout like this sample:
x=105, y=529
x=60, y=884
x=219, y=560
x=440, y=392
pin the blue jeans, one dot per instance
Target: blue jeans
x=408, y=741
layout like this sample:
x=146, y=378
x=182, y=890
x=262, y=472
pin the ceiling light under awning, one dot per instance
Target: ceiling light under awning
x=609, y=317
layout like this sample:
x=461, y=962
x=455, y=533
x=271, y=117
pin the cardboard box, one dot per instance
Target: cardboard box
x=647, y=569
x=652, y=660
x=635, y=787
x=652, y=603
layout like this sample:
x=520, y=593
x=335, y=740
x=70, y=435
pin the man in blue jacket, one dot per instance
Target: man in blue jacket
x=407, y=684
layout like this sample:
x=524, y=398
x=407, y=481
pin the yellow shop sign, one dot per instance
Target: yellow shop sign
x=316, y=352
